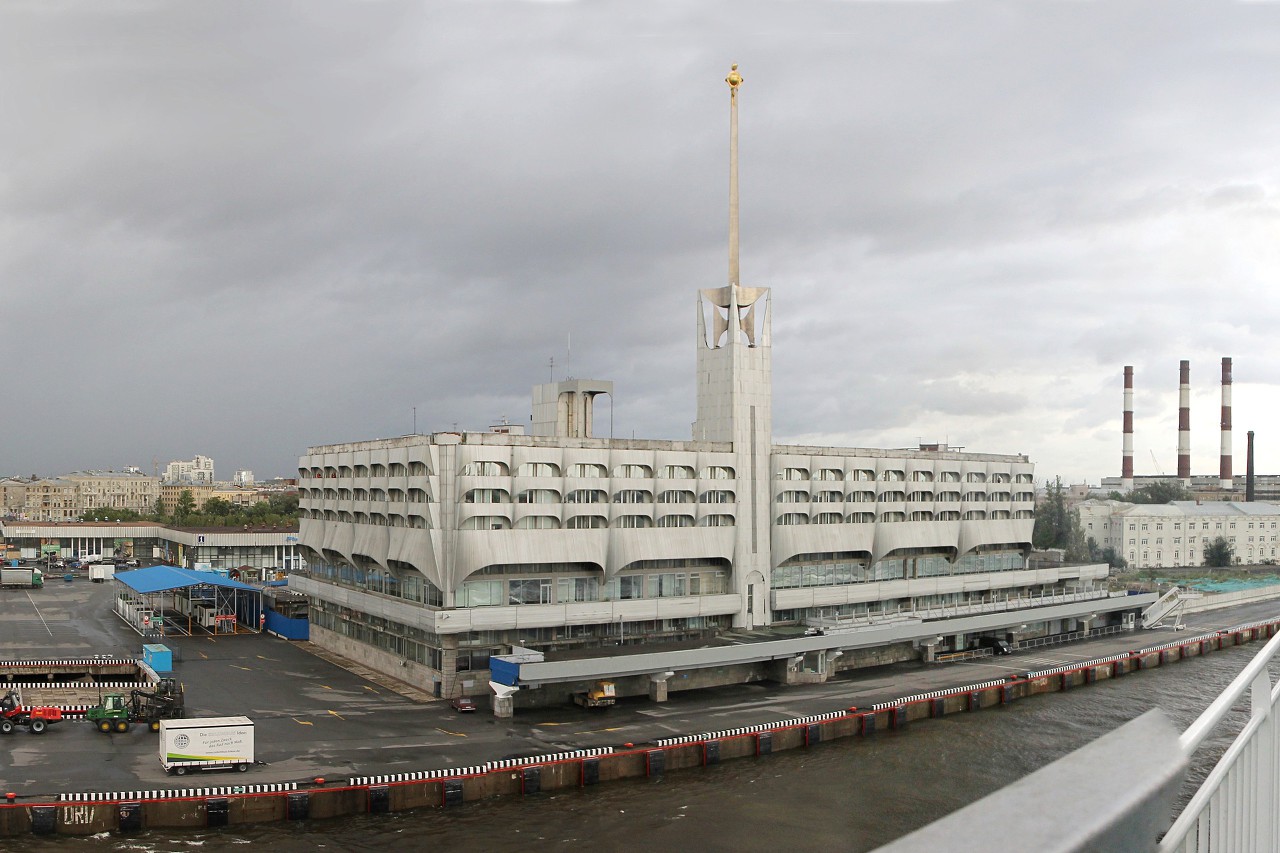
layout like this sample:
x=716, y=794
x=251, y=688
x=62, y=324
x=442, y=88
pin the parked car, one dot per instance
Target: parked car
x=463, y=704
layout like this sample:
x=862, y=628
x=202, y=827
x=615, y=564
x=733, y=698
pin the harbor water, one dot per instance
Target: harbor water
x=847, y=795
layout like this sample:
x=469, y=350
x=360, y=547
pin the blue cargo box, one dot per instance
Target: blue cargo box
x=158, y=657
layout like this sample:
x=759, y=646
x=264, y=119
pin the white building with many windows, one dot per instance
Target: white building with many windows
x=430, y=553
x=1177, y=533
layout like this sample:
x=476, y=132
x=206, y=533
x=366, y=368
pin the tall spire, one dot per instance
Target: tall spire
x=734, y=80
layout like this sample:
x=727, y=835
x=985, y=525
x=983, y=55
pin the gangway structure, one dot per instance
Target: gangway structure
x=1172, y=603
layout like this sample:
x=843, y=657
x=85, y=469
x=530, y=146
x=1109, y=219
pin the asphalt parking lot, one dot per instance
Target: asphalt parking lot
x=315, y=718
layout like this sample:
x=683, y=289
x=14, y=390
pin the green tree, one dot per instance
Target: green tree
x=1057, y=526
x=1159, y=492
x=157, y=512
x=217, y=507
x=185, y=507
x=1112, y=558
x=1218, y=553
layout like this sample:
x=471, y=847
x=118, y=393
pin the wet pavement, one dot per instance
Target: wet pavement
x=314, y=717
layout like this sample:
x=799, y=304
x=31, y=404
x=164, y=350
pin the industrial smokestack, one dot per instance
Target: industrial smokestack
x=1224, y=461
x=1184, y=423
x=1126, y=458
x=1248, y=468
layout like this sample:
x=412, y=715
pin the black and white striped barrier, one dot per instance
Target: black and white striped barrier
x=936, y=694
x=481, y=769
x=22, y=664
x=747, y=730
x=179, y=793
x=74, y=685
x=1071, y=667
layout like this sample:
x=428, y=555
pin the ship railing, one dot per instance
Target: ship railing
x=1118, y=793
x=1235, y=807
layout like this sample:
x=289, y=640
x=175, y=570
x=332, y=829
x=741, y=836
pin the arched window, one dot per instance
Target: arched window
x=716, y=521
x=632, y=471
x=716, y=496
x=633, y=521
x=588, y=470
x=538, y=496
x=793, y=474
x=586, y=522
x=677, y=496
x=484, y=469
x=486, y=496
x=717, y=472
x=793, y=518
x=675, y=521
x=538, y=469
x=538, y=522
x=485, y=522
x=633, y=496
x=677, y=472
x=586, y=496
x=793, y=497
x=828, y=518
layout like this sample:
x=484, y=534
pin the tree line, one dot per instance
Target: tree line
x=280, y=510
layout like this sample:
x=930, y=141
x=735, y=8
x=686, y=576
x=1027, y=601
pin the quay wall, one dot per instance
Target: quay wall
x=1218, y=600
x=125, y=812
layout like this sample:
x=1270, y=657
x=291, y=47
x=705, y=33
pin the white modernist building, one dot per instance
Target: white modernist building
x=1152, y=536
x=434, y=552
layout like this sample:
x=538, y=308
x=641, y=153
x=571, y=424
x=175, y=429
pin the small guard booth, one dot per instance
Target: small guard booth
x=172, y=601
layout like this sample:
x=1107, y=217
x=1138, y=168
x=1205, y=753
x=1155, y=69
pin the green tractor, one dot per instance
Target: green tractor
x=115, y=712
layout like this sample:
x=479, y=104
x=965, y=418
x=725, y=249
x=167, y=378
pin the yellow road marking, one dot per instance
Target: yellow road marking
x=203, y=655
x=336, y=714
x=598, y=731
x=302, y=722
x=451, y=734
x=367, y=687
x=551, y=724
x=326, y=687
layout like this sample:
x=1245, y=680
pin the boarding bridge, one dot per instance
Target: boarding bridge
x=1117, y=794
x=1172, y=603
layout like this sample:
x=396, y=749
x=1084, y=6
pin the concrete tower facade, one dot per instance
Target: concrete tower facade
x=735, y=396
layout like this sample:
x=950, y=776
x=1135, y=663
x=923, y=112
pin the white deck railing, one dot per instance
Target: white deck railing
x=1235, y=810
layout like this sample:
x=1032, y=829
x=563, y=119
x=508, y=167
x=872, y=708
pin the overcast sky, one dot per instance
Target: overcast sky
x=242, y=229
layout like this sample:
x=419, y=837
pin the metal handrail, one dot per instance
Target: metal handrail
x=1205, y=723
x=1263, y=698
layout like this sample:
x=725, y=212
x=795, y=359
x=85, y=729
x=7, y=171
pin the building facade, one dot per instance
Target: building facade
x=437, y=552
x=1176, y=534
x=197, y=471
x=268, y=552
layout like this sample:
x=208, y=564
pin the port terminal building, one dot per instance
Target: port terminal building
x=667, y=565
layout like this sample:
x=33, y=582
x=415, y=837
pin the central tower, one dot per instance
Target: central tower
x=735, y=397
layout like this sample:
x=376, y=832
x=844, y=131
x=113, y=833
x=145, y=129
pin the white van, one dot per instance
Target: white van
x=90, y=558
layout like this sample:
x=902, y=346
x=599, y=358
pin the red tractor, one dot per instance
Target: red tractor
x=37, y=719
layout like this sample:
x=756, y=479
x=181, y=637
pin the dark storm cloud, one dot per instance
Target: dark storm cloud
x=246, y=228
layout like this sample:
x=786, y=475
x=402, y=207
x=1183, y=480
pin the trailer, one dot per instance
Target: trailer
x=21, y=577
x=101, y=572
x=209, y=743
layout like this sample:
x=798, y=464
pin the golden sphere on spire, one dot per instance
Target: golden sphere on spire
x=734, y=79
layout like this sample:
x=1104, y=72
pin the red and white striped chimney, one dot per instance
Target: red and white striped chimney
x=1184, y=422
x=1224, y=461
x=1126, y=459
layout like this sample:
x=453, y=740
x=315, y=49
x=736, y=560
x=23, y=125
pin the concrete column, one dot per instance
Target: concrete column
x=504, y=707
x=658, y=686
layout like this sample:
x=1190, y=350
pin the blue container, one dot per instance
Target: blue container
x=158, y=657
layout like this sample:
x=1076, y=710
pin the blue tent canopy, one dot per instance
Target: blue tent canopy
x=165, y=578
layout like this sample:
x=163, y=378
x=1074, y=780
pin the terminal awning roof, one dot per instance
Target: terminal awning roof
x=164, y=578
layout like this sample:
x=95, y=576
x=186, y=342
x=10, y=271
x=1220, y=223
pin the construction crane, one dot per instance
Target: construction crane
x=1156, y=462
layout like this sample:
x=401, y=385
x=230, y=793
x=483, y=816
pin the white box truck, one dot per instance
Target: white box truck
x=102, y=572
x=26, y=577
x=210, y=743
